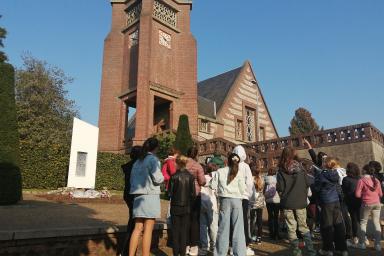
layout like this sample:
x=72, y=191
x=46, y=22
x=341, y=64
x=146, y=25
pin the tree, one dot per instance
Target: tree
x=45, y=116
x=166, y=142
x=183, y=136
x=3, y=34
x=10, y=178
x=302, y=123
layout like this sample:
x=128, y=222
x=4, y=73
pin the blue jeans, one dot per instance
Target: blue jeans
x=230, y=217
x=208, y=228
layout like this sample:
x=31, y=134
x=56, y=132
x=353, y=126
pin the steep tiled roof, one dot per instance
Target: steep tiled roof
x=206, y=107
x=216, y=88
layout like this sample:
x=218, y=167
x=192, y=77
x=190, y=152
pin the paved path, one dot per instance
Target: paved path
x=40, y=214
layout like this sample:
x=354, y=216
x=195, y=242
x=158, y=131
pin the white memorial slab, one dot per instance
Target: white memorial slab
x=82, y=163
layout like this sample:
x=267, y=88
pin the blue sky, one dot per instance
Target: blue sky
x=325, y=55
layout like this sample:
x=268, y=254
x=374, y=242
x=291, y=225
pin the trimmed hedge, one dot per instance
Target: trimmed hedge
x=10, y=177
x=49, y=171
x=44, y=168
x=108, y=171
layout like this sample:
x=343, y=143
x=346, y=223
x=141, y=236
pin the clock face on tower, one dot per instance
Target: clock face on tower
x=165, y=39
x=134, y=38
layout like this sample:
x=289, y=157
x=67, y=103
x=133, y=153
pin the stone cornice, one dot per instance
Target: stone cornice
x=118, y=1
x=183, y=1
x=166, y=90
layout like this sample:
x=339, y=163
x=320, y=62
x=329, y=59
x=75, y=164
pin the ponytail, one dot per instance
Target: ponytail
x=374, y=183
x=369, y=170
x=233, y=164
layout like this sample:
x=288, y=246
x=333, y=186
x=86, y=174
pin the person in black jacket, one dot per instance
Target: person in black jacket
x=353, y=203
x=332, y=222
x=318, y=159
x=292, y=186
x=182, y=193
x=128, y=198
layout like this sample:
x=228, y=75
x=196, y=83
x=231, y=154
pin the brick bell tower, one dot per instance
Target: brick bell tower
x=150, y=65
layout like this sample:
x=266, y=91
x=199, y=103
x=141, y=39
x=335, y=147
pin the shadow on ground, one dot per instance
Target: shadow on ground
x=40, y=227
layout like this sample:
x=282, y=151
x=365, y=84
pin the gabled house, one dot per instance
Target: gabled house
x=231, y=106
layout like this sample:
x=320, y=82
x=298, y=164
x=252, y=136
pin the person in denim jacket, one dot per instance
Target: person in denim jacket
x=146, y=178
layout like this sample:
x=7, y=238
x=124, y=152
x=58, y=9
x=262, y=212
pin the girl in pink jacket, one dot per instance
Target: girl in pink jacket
x=369, y=190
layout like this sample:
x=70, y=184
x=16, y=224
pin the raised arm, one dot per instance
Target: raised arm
x=311, y=152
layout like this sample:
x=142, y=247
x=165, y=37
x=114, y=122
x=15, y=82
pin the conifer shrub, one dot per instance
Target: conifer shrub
x=10, y=177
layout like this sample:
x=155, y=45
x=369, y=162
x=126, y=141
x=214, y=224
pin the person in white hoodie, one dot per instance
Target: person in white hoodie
x=230, y=185
x=245, y=171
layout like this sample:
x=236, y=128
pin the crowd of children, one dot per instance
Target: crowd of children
x=218, y=206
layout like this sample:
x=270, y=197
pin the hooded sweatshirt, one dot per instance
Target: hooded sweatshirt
x=245, y=171
x=366, y=191
x=326, y=186
x=292, y=185
x=235, y=189
x=271, y=195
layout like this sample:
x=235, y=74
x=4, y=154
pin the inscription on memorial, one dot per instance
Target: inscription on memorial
x=81, y=164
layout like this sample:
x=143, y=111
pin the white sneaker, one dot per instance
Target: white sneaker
x=194, y=251
x=378, y=247
x=355, y=240
x=366, y=241
x=187, y=250
x=249, y=252
x=230, y=251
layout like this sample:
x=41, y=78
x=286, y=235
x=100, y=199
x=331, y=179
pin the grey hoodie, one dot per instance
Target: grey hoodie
x=245, y=171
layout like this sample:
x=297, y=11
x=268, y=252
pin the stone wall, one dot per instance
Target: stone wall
x=378, y=152
x=359, y=143
x=360, y=153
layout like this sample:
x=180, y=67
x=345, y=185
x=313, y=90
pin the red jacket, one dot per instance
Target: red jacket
x=168, y=169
